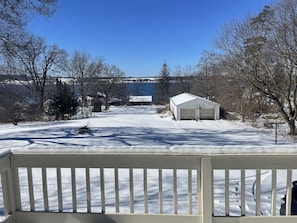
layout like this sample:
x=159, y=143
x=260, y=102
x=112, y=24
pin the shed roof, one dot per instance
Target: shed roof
x=140, y=99
x=186, y=97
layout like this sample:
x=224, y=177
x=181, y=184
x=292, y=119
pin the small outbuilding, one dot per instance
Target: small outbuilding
x=191, y=107
x=140, y=100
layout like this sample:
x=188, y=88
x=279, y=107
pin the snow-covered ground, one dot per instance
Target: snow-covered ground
x=133, y=126
x=141, y=126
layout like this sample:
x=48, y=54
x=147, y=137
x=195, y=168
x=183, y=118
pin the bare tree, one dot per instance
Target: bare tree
x=210, y=73
x=109, y=83
x=14, y=15
x=83, y=69
x=184, y=79
x=35, y=61
x=216, y=82
x=263, y=51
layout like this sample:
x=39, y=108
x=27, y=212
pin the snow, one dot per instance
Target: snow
x=186, y=97
x=139, y=129
x=182, y=98
x=136, y=126
x=148, y=99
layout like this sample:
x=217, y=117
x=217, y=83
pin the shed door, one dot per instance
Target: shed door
x=207, y=113
x=187, y=114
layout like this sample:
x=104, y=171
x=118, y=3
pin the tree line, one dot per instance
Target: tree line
x=261, y=51
x=251, y=70
x=29, y=61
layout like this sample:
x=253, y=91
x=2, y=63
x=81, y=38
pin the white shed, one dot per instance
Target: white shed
x=187, y=106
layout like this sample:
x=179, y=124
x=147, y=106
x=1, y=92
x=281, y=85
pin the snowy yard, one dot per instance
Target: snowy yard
x=125, y=127
x=134, y=126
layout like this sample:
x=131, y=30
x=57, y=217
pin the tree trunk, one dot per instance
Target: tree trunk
x=292, y=127
x=40, y=100
x=106, y=102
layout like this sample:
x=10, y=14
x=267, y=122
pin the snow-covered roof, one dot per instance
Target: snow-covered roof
x=186, y=97
x=182, y=98
x=140, y=99
x=88, y=98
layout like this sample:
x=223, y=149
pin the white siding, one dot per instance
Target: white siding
x=199, y=108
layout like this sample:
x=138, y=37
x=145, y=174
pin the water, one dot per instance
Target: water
x=141, y=89
x=132, y=89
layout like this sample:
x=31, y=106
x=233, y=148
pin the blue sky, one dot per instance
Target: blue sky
x=139, y=35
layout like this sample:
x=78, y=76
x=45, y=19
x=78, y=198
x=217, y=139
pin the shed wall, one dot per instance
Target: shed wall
x=195, y=109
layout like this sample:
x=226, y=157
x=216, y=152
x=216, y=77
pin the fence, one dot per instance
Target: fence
x=152, y=187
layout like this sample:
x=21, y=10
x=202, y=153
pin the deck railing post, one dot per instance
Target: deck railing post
x=206, y=190
x=8, y=186
x=13, y=188
x=6, y=195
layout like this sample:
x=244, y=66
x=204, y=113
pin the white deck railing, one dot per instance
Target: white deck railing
x=153, y=187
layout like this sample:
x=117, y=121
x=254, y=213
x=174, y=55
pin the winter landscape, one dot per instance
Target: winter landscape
x=134, y=126
x=237, y=59
x=128, y=129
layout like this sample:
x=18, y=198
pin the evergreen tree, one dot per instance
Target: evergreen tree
x=163, y=86
x=64, y=101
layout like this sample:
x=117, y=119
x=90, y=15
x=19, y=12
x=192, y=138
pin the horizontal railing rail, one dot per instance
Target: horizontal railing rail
x=147, y=187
